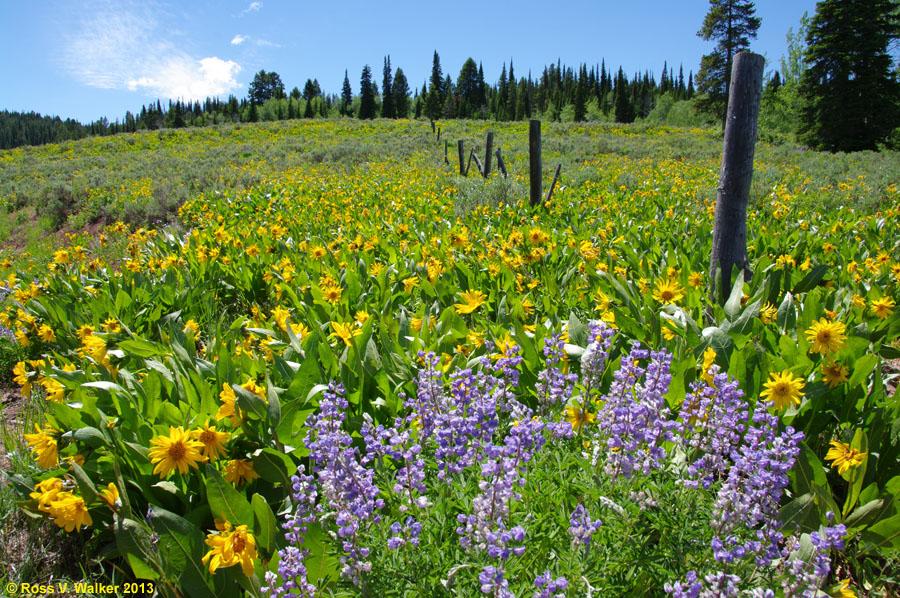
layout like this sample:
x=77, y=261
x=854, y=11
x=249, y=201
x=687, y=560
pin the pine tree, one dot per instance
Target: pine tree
x=581, y=96
x=367, y=108
x=387, y=98
x=346, y=96
x=511, y=93
x=624, y=107
x=435, y=100
x=731, y=23
x=468, y=88
x=400, y=94
x=851, y=97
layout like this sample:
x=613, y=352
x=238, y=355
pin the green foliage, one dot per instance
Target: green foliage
x=731, y=23
x=849, y=90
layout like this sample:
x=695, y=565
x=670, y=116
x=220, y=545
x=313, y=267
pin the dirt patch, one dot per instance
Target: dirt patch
x=12, y=406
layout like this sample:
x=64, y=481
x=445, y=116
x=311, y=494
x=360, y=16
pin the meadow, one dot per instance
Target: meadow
x=481, y=398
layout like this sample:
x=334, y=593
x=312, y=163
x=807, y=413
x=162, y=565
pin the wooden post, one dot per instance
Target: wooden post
x=487, y=154
x=729, y=244
x=459, y=149
x=439, y=134
x=446, y=143
x=432, y=126
x=553, y=184
x=534, y=162
x=469, y=163
x=478, y=164
x=500, y=164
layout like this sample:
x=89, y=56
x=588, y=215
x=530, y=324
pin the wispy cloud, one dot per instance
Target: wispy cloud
x=238, y=39
x=125, y=47
x=254, y=7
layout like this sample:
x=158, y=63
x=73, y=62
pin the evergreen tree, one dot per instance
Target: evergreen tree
x=435, y=100
x=367, y=107
x=851, y=97
x=346, y=96
x=624, y=107
x=264, y=87
x=387, y=98
x=449, y=108
x=511, y=93
x=400, y=94
x=581, y=96
x=469, y=89
x=731, y=23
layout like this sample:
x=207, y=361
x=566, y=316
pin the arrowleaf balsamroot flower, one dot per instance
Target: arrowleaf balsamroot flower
x=238, y=471
x=578, y=415
x=69, y=512
x=844, y=457
x=783, y=390
x=178, y=450
x=883, y=307
x=668, y=291
x=835, y=373
x=213, y=441
x=230, y=546
x=472, y=300
x=826, y=337
x=43, y=445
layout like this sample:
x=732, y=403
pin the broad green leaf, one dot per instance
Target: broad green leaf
x=265, y=526
x=225, y=501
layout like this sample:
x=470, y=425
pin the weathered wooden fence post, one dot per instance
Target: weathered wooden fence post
x=459, y=149
x=432, y=126
x=439, y=135
x=446, y=144
x=501, y=166
x=487, y=154
x=553, y=184
x=478, y=163
x=534, y=162
x=729, y=244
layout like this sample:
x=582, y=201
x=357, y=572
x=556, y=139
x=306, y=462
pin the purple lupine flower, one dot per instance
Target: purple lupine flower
x=714, y=585
x=408, y=533
x=346, y=485
x=493, y=583
x=750, y=496
x=430, y=397
x=581, y=527
x=593, y=360
x=553, y=387
x=714, y=420
x=291, y=569
x=548, y=587
x=633, y=421
x=805, y=577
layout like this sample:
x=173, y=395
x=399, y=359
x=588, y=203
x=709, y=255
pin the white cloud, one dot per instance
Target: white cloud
x=254, y=7
x=126, y=47
x=189, y=79
x=238, y=39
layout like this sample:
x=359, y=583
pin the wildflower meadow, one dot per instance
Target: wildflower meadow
x=343, y=369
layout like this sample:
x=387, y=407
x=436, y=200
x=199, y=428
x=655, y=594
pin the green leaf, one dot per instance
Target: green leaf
x=808, y=471
x=182, y=544
x=104, y=385
x=273, y=410
x=141, y=348
x=857, y=474
x=884, y=536
x=265, y=526
x=799, y=513
x=787, y=313
x=133, y=541
x=733, y=305
x=811, y=280
x=578, y=330
x=225, y=501
x=250, y=402
x=862, y=368
x=85, y=485
x=90, y=436
x=274, y=466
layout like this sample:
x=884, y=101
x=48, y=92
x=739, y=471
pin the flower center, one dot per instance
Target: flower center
x=177, y=451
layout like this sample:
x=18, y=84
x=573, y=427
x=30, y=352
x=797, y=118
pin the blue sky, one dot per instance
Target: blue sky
x=102, y=57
